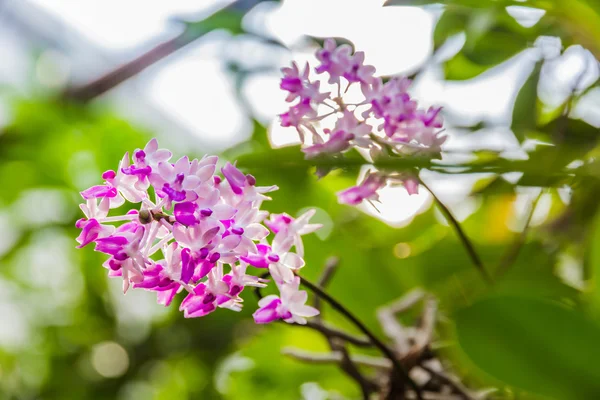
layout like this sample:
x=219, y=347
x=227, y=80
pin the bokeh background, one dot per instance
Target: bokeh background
x=83, y=82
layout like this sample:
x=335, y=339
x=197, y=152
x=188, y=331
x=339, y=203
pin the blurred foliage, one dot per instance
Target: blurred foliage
x=532, y=334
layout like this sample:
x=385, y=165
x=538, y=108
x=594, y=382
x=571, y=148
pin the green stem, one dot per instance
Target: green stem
x=462, y=236
x=513, y=252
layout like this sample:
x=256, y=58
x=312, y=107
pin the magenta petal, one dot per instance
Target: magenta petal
x=184, y=213
x=166, y=297
x=175, y=195
x=205, y=268
x=267, y=313
x=99, y=191
x=111, y=245
x=200, y=311
x=256, y=260
x=351, y=196
x=187, y=266
x=412, y=186
x=90, y=229
x=235, y=178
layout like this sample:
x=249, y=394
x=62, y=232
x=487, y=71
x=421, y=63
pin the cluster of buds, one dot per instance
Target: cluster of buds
x=189, y=229
x=386, y=122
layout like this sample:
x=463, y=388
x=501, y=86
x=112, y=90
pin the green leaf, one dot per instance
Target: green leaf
x=460, y=68
x=495, y=185
x=451, y=22
x=534, y=345
x=524, y=115
x=409, y=2
x=495, y=46
x=594, y=264
x=227, y=19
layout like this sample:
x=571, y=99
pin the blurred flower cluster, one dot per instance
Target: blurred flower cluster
x=188, y=225
x=385, y=122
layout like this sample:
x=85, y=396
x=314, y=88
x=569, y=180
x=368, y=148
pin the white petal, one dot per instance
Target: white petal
x=230, y=242
x=151, y=147
x=293, y=261
x=266, y=300
x=282, y=243
x=306, y=311
x=256, y=232
x=310, y=228
x=166, y=171
x=206, y=172
x=180, y=234
x=223, y=211
x=191, y=182
x=182, y=165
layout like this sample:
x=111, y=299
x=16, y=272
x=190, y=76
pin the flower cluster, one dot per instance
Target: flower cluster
x=195, y=231
x=386, y=122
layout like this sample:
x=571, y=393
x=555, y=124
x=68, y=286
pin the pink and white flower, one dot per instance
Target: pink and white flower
x=290, y=306
x=202, y=223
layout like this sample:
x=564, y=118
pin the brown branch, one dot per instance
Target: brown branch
x=453, y=383
x=113, y=78
x=349, y=367
x=336, y=357
x=333, y=332
x=400, y=375
x=339, y=346
x=390, y=324
x=330, y=267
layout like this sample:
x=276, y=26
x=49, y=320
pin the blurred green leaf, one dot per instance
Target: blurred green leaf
x=450, y=23
x=461, y=68
x=227, y=19
x=524, y=115
x=594, y=264
x=495, y=46
x=538, y=346
x=493, y=186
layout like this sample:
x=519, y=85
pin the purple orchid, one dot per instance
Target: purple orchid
x=290, y=306
x=366, y=190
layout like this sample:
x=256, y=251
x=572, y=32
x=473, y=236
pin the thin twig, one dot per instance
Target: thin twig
x=330, y=331
x=463, y=237
x=339, y=346
x=330, y=267
x=457, y=386
x=349, y=367
x=320, y=326
x=336, y=357
x=424, y=333
x=435, y=396
x=512, y=254
x=390, y=324
x=399, y=371
x=113, y=78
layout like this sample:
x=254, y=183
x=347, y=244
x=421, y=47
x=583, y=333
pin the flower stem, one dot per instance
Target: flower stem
x=512, y=254
x=399, y=370
x=463, y=237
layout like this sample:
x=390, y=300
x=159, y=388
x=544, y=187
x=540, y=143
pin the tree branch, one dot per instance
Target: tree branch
x=454, y=384
x=330, y=267
x=336, y=357
x=390, y=324
x=322, y=327
x=113, y=78
x=399, y=371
